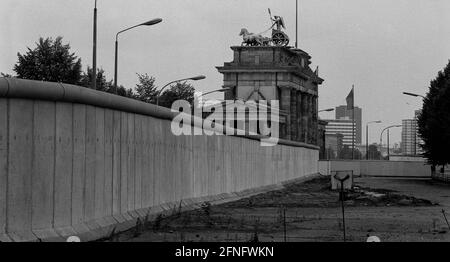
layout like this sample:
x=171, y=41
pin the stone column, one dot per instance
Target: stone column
x=285, y=104
x=304, y=117
x=310, y=120
x=299, y=116
x=315, y=120
x=293, y=115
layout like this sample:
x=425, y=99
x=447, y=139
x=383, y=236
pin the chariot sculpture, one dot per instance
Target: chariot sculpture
x=279, y=38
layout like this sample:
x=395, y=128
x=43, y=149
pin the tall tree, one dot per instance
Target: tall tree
x=178, y=91
x=50, y=60
x=434, y=120
x=146, y=90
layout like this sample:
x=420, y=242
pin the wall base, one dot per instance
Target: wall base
x=95, y=230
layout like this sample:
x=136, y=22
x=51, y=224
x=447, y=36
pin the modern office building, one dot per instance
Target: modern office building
x=409, y=127
x=343, y=113
x=410, y=138
x=343, y=126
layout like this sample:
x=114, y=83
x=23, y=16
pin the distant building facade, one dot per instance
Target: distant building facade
x=410, y=137
x=343, y=113
x=344, y=127
x=407, y=158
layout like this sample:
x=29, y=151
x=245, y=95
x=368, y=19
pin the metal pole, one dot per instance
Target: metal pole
x=115, y=67
x=341, y=198
x=94, y=57
x=284, y=224
x=381, y=145
x=148, y=23
x=367, y=142
x=389, y=156
x=296, y=23
x=342, y=205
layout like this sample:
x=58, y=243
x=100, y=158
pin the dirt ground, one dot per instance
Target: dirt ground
x=392, y=209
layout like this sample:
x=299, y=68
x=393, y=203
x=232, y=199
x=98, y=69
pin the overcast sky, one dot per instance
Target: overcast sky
x=384, y=47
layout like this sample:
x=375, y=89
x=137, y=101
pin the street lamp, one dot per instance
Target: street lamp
x=415, y=133
x=148, y=23
x=215, y=91
x=381, y=138
x=367, y=136
x=195, y=78
x=412, y=94
x=94, y=53
x=327, y=110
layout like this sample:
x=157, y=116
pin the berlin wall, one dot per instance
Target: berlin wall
x=377, y=168
x=74, y=161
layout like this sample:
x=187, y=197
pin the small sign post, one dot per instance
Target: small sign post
x=341, y=197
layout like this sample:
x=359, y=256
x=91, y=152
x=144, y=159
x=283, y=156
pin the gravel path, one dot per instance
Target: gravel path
x=392, y=209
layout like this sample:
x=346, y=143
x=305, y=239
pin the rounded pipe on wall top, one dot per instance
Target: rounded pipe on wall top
x=51, y=91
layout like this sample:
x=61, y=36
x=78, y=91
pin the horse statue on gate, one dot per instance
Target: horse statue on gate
x=251, y=39
x=278, y=38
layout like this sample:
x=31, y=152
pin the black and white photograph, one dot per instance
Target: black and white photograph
x=247, y=124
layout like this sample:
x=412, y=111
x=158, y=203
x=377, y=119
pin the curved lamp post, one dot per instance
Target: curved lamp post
x=195, y=78
x=367, y=136
x=210, y=92
x=381, y=137
x=94, y=51
x=215, y=91
x=414, y=95
x=326, y=110
x=148, y=23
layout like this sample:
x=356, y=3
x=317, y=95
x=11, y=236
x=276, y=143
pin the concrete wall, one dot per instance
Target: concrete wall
x=377, y=168
x=444, y=177
x=74, y=168
x=408, y=158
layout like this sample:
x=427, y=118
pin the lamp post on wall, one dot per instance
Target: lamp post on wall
x=148, y=23
x=296, y=23
x=414, y=95
x=215, y=91
x=94, y=53
x=326, y=110
x=367, y=136
x=381, y=138
x=415, y=126
x=195, y=78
